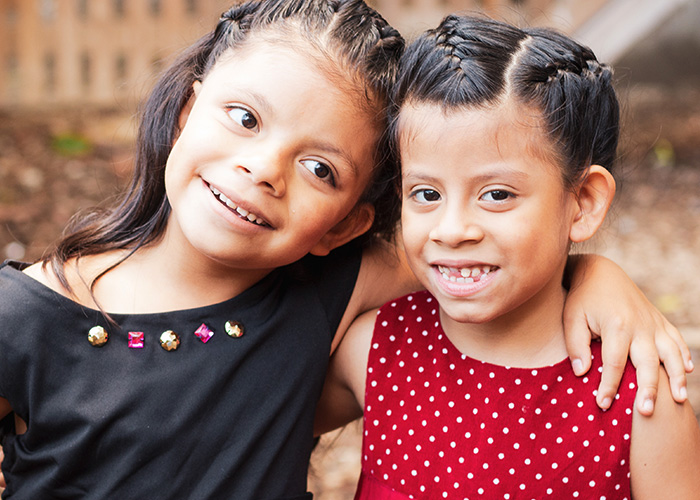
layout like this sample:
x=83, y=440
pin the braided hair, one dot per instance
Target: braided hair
x=475, y=62
x=347, y=32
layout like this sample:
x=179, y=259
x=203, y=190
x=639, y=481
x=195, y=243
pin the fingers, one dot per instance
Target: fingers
x=614, y=352
x=676, y=363
x=676, y=336
x=645, y=358
x=578, y=343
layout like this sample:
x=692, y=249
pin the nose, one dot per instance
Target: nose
x=456, y=226
x=266, y=166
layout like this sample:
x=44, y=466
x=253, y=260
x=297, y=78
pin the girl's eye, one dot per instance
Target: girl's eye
x=320, y=170
x=497, y=195
x=243, y=117
x=426, y=195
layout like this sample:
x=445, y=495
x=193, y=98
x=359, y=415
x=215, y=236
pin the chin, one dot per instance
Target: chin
x=473, y=314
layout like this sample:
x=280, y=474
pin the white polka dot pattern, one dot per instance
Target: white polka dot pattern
x=439, y=424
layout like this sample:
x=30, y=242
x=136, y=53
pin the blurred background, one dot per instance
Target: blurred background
x=73, y=72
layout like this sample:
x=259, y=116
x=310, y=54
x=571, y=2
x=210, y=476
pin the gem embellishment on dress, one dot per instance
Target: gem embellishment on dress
x=204, y=333
x=234, y=328
x=98, y=336
x=169, y=340
x=136, y=340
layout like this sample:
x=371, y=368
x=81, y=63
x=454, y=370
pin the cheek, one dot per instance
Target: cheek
x=316, y=217
x=542, y=241
x=174, y=175
x=415, y=233
x=170, y=178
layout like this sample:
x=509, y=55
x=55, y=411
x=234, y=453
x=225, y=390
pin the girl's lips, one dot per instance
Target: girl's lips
x=241, y=212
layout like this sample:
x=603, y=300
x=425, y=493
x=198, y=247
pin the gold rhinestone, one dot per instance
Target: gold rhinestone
x=234, y=328
x=169, y=340
x=98, y=336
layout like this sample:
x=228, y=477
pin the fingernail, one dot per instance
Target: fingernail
x=648, y=405
x=690, y=364
x=606, y=403
x=684, y=393
x=577, y=365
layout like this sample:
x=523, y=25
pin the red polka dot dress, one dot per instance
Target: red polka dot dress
x=438, y=424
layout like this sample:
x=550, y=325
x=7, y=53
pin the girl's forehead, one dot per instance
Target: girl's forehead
x=433, y=138
x=317, y=55
x=429, y=121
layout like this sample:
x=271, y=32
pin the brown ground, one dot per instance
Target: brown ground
x=52, y=165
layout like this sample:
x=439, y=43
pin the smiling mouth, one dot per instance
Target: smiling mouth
x=242, y=213
x=465, y=274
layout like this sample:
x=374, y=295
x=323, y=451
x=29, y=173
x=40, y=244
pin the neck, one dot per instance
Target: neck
x=529, y=336
x=158, y=278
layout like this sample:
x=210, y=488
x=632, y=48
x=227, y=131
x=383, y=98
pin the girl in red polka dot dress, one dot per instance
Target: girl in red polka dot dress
x=506, y=138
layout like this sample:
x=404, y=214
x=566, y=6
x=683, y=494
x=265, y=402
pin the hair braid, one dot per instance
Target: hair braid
x=470, y=61
x=348, y=32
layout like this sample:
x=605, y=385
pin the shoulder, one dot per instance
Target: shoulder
x=403, y=322
x=18, y=285
x=383, y=275
x=351, y=358
x=359, y=336
x=414, y=303
x=410, y=309
x=11, y=268
x=665, y=445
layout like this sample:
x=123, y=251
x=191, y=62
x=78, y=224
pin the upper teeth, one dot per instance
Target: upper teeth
x=467, y=274
x=251, y=217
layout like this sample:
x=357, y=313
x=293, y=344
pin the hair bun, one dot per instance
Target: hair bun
x=598, y=69
x=238, y=16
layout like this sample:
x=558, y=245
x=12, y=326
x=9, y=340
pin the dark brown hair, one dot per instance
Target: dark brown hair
x=475, y=62
x=365, y=48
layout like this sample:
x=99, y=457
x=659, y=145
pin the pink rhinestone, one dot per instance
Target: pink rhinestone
x=136, y=340
x=204, y=333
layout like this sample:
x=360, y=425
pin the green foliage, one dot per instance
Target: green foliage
x=71, y=144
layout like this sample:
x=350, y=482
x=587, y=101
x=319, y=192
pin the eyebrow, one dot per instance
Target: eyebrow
x=480, y=179
x=501, y=173
x=331, y=148
x=259, y=99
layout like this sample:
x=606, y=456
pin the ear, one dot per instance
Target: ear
x=187, y=108
x=594, y=198
x=356, y=223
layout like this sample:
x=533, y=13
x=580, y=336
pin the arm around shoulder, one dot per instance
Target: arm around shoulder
x=665, y=450
x=384, y=275
x=342, y=399
x=604, y=302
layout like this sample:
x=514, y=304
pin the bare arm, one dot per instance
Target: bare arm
x=342, y=400
x=665, y=450
x=5, y=408
x=603, y=302
x=384, y=275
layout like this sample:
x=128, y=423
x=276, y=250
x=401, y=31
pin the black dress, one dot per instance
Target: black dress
x=226, y=418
